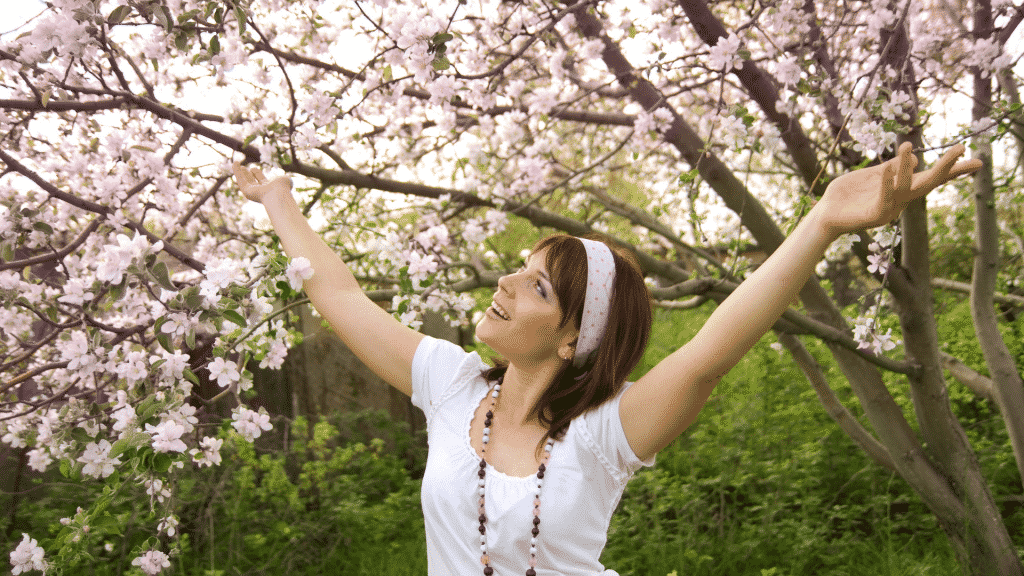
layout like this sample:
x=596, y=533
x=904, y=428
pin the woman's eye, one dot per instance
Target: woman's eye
x=540, y=289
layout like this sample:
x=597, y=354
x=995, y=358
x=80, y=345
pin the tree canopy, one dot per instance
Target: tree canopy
x=431, y=141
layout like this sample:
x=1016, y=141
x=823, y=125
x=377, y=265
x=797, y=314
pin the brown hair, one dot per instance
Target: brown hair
x=574, y=390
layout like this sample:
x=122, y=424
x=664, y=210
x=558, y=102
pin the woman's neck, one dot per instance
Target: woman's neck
x=520, y=390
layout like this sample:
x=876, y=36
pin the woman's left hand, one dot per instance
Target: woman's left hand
x=875, y=196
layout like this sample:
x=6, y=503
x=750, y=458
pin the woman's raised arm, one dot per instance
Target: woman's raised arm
x=381, y=342
x=666, y=400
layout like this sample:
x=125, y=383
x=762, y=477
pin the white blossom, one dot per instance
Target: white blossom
x=210, y=453
x=249, y=423
x=224, y=372
x=167, y=436
x=299, y=269
x=97, y=460
x=152, y=562
x=725, y=54
x=28, y=556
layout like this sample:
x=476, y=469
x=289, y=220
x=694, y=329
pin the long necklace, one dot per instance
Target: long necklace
x=484, y=559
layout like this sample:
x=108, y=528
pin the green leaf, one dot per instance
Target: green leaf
x=165, y=342
x=162, y=276
x=181, y=41
x=161, y=462
x=163, y=17
x=441, y=63
x=191, y=376
x=118, y=15
x=7, y=251
x=128, y=441
x=65, y=468
x=235, y=317
x=215, y=45
x=117, y=290
x=190, y=338
x=388, y=77
x=240, y=18
x=46, y=97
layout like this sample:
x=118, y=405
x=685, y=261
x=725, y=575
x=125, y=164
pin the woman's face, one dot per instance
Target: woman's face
x=522, y=322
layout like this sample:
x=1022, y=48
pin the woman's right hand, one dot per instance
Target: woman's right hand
x=255, y=186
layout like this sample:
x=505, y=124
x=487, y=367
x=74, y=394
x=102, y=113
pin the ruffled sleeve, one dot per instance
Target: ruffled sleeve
x=438, y=367
x=603, y=433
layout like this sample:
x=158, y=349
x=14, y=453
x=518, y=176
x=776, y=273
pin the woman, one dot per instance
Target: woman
x=528, y=459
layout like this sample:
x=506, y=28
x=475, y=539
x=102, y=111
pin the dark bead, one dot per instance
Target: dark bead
x=483, y=518
x=535, y=530
x=481, y=473
x=540, y=474
x=483, y=463
x=531, y=572
x=542, y=468
x=536, y=520
x=489, y=415
x=488, y=571
x=483, y=529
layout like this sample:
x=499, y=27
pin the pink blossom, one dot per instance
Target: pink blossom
x=152, y=562
x=299, y=269
x=28, y=556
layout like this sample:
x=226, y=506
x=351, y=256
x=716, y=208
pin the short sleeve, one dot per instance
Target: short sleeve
x=434, y=366
x=608, y=439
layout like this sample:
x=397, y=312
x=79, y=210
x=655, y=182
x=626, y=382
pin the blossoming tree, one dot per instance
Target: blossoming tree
x=138, y=285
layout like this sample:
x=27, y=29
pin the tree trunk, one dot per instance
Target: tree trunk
x=1007, y=381
x=954, y=489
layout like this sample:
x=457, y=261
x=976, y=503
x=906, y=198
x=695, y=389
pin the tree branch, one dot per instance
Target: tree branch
x=977, y=383
x=964, y=287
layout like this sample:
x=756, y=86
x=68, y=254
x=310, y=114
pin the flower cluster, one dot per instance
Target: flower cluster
x=27, y=556
x=152, y=562
x=866, y=335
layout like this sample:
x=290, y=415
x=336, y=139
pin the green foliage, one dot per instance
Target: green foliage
x=763, y=484
x=323, y=505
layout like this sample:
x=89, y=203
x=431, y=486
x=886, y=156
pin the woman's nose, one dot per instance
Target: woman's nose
x=506, y=283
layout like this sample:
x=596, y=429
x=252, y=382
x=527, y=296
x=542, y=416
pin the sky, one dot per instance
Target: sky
x=16, y=12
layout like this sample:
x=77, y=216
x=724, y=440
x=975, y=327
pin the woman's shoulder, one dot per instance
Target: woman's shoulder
x=602, y=432
x=441, y=368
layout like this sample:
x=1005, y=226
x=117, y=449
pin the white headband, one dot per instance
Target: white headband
x=600, y=276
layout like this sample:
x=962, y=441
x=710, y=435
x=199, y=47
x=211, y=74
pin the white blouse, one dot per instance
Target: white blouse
x=585, y=477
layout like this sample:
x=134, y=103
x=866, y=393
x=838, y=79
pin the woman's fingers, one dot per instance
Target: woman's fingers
x=947, y=168
x=888, y=178
x=242, y=175
x=907, y=164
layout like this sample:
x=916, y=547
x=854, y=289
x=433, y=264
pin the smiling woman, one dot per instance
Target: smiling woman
x=555, y=423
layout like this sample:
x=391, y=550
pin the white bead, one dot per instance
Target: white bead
x=494, y=394
x=497, y=387
x=547, y=447
x=480, y=482
x=483, y=539
x=481, y=490
x=540, y=482
x=533, y=550
x=483, y=548
x=533, y=542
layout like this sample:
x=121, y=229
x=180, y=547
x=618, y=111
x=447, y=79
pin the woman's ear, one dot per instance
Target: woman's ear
x=567, y=351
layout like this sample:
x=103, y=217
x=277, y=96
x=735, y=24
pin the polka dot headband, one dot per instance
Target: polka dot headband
x=600, y=277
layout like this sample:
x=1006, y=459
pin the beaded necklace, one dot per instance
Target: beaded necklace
x=484, y=559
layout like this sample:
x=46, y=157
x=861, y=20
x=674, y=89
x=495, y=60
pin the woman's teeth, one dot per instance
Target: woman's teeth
x=500, y=311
